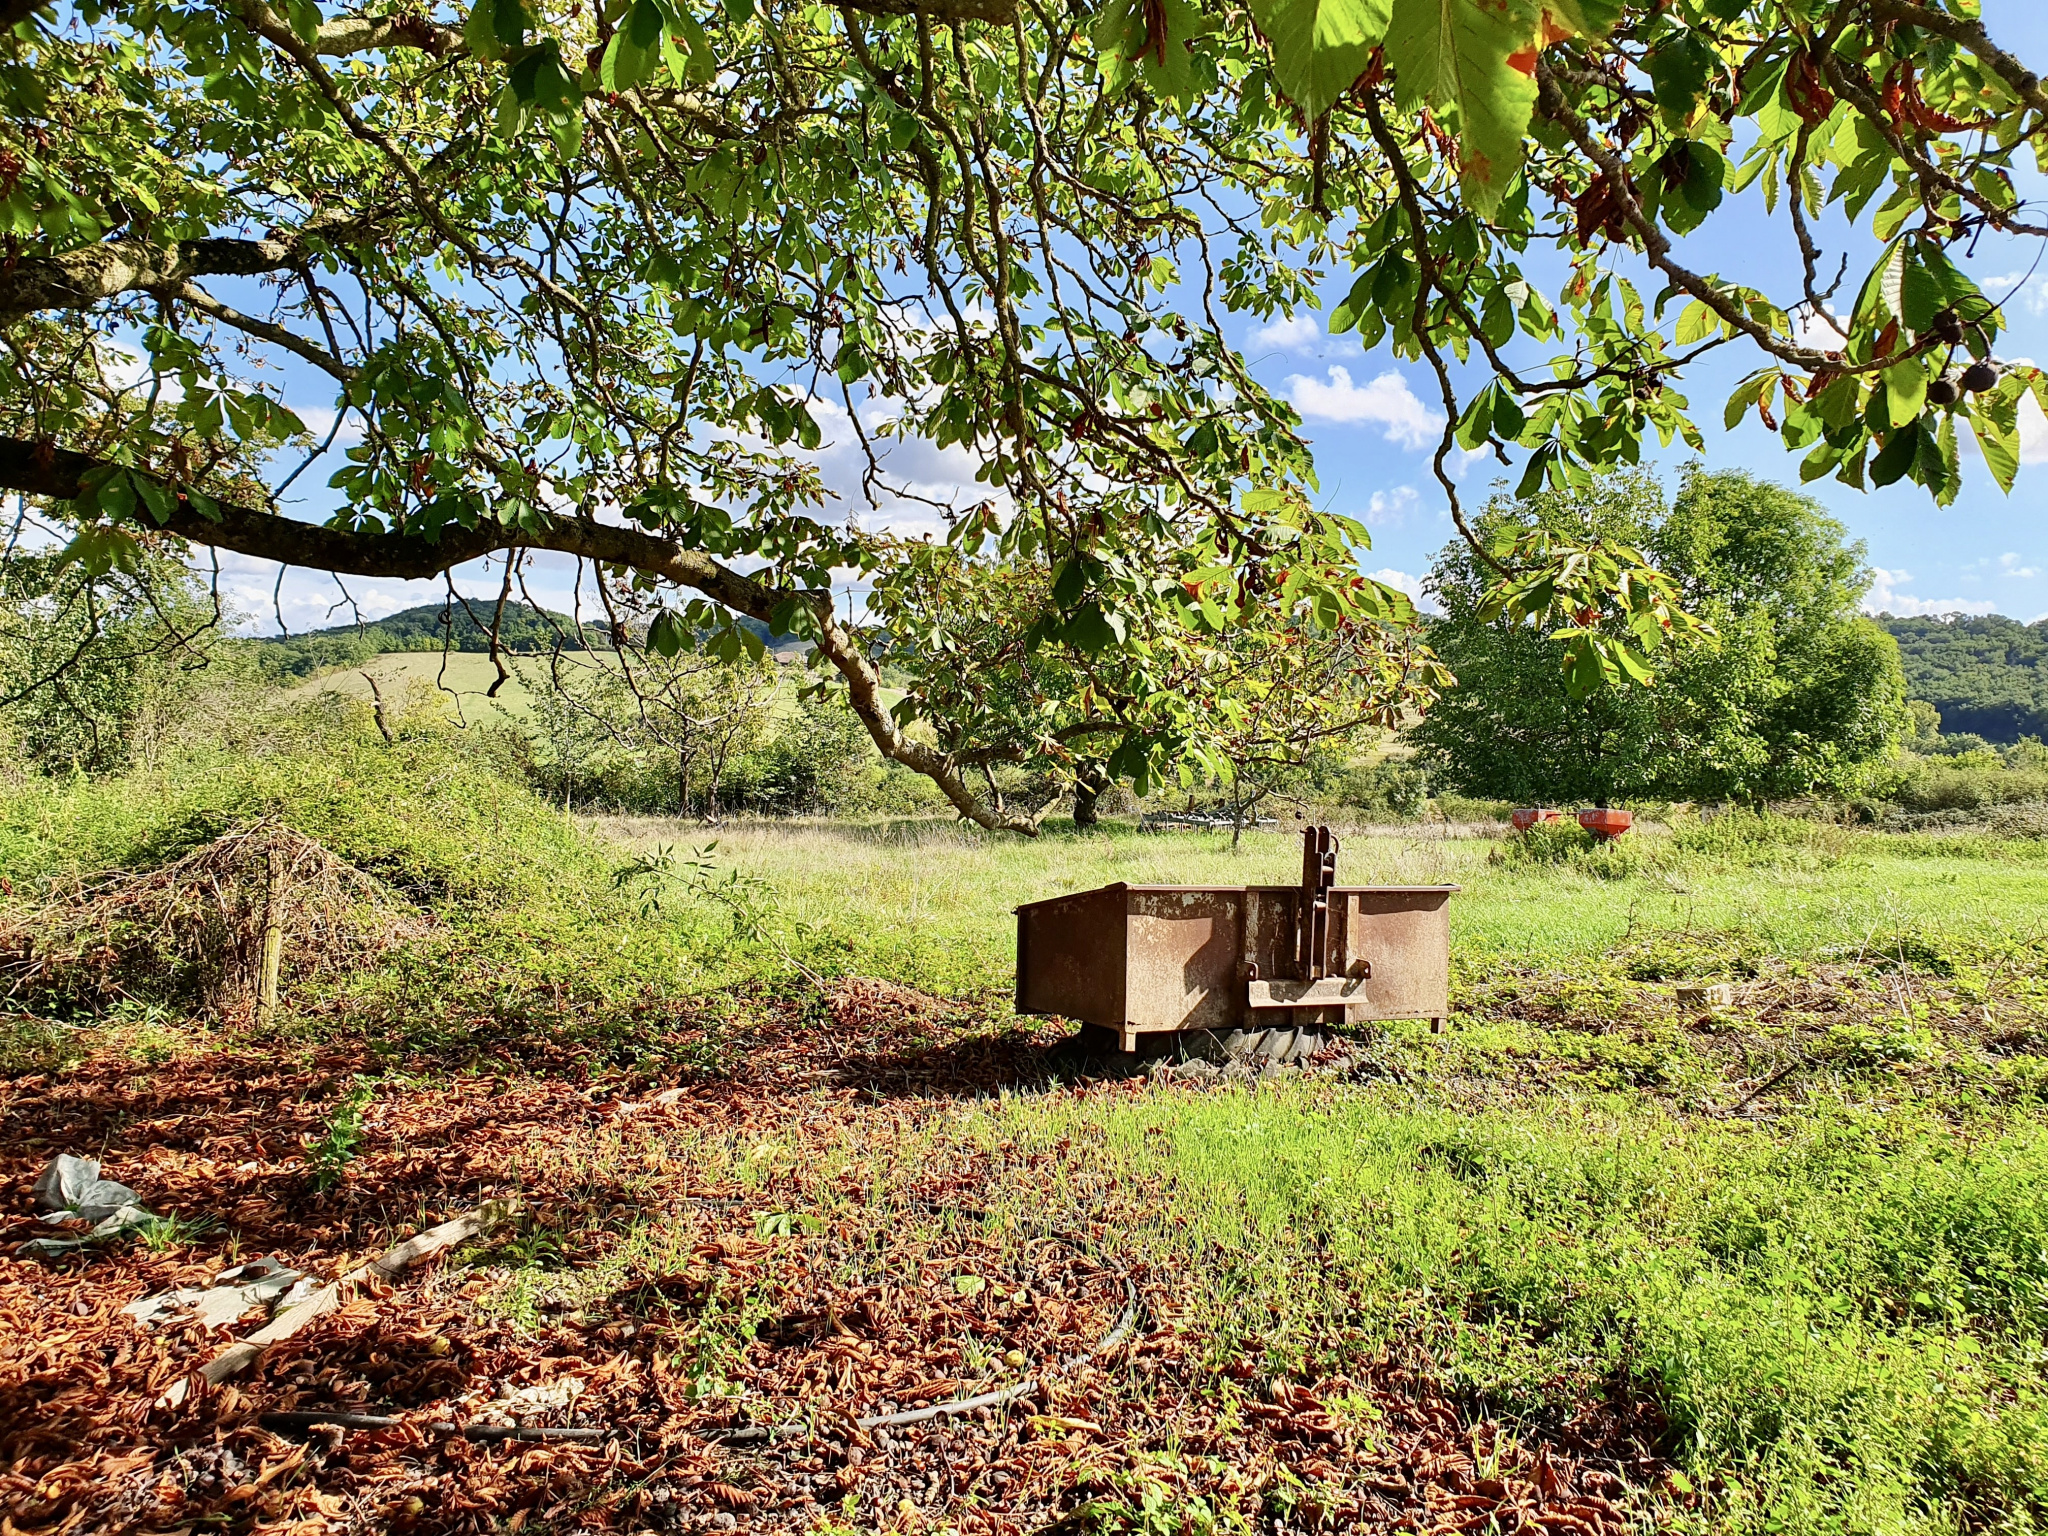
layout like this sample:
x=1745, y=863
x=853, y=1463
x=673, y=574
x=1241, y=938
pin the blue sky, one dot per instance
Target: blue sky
x=1374, y=424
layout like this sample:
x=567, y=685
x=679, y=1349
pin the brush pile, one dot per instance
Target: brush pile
x=190, y=934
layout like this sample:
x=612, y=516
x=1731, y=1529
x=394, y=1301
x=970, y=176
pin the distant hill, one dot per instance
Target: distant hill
x=1988, y=676
x=524, y=630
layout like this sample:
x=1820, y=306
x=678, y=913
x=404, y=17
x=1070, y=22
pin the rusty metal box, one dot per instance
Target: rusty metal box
x=1143, y=959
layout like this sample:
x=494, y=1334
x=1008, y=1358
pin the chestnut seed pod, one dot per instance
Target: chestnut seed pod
x=1979, y=376
x=1943, y=392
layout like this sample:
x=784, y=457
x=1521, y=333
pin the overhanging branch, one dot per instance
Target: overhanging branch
x=93, y=274
x=56, y=474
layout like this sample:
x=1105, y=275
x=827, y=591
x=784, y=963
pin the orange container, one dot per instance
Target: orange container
x=1527, y=817
x=1606, y=822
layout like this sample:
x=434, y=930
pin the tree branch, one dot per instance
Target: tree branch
x=95, y=273
x=356, y=34
x=1000, y=12
x=1970, y=34
x=199, y=299
x=41, y=469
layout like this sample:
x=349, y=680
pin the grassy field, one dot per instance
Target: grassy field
x=1586, y=1262
x=929, y=903
x=459, y=682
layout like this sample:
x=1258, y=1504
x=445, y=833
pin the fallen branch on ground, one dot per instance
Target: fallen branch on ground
x=1001, y=1398
x=387, y=1266
x=314, y=1418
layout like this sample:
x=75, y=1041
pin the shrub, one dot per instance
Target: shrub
x=1759, y=838
x=1566, y=843
x=1391, y=789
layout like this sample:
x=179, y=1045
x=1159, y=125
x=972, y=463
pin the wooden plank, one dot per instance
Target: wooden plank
x=1289, y=993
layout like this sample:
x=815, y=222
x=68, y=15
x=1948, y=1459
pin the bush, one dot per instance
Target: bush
x=1464, y=808
x=522, y=932
x=1759, y=838
x=1566, y=843
x=1976, y=780
x=1392, y=789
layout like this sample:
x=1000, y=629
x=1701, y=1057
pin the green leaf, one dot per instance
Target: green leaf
x=1998, y=441
x=1746, y=395
x=1680, y=68
x=1320, y=47
x=1537, y=468
x=1897, y=456
x=1129, y=46
x=666, y=635
x=703, y=67
x=100, y=549
x=1635, y=666
x=1697, y=323
x=1356, y=303
x=1905, y=390
x=1092, y=631
x=494, y=28
x=626, y=64
x=1478, y=58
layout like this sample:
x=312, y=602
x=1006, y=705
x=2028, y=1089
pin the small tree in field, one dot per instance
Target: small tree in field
x=1799, y=695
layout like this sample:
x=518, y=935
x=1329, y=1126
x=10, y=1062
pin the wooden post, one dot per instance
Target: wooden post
x=273, y=939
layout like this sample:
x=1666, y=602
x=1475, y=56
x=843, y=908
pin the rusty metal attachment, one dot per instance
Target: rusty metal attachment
x=1148, y=959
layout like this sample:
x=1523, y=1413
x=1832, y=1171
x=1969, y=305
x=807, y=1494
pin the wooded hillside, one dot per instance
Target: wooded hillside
x=1986, y=675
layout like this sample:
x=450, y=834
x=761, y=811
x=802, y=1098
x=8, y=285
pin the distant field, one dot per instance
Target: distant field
x=460, y=679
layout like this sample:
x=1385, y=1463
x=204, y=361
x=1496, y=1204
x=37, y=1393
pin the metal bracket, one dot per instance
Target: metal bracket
x=1318, y=875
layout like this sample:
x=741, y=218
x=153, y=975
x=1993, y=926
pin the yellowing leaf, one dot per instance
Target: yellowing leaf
x=1320, y=47
x=1478, y=58
x=1697, y=323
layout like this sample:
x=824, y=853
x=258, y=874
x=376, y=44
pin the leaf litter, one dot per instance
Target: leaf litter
x=720, y=1334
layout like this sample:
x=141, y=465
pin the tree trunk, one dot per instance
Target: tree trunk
x=1091, y=781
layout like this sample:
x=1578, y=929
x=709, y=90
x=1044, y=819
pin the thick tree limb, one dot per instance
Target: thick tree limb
x=36, y=469
x=345, y=35
x=93, y=274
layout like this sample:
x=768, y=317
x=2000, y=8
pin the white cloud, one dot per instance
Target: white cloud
x=1810, y=329
x=1885, y=597
x=319, y=420
x=129, y=370
x=2018, y=290
x=308, y=600
x=1390, y=508
x=2009, y=565
x=1289, y=333
x=2033, y=431
x=1387, y=401
x=917, y=479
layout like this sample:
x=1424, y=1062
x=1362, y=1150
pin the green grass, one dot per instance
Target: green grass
x=929, y=903
x=1841, y=1318
x=459, y=683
